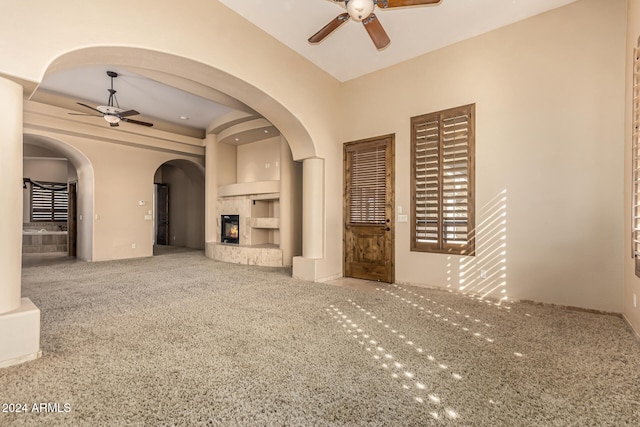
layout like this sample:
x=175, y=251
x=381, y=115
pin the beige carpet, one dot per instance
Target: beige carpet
x=179, y=339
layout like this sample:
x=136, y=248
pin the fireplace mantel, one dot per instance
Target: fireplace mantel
x=249, y=188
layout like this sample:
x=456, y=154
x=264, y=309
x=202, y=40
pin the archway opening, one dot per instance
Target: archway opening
x=68, y=231
x=179, y=208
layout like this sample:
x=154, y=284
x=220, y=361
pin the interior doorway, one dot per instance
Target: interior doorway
x=162, y=214
x=369, y=232
x=72, y=219
x=179, y=205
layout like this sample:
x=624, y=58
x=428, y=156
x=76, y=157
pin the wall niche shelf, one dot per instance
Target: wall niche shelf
x=267, y=223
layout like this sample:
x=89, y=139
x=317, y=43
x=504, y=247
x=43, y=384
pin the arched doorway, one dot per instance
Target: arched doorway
x=179, y=218
x=79, y=173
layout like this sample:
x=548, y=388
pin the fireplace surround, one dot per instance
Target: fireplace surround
x=230, y=229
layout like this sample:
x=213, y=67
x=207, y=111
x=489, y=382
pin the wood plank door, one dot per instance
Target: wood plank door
x=368, y=209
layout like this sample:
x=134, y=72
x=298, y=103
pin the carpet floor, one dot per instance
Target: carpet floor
x=179, y=339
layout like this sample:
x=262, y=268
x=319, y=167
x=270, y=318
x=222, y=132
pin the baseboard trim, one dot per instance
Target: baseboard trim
x=21, y=359
x=514, y=300
x=572, y=308
x=633, y=330
x=332, y=277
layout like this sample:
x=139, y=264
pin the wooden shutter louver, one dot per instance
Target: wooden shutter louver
x=427, y=182
x=367, y=197
x=48, y=204
x=455, y=183
x=442, y=177
x=635, y=156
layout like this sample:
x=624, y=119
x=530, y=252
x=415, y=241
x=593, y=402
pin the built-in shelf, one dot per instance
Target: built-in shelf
x=268, y=223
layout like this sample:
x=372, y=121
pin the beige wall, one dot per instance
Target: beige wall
x=550, y=106
x=259, y=161
x=226, y=164
x=290, y=204
x=631, y=282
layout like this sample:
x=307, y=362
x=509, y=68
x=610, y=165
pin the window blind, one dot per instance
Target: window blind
x=367, y=197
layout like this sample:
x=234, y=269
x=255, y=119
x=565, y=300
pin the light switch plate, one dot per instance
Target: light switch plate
x=403, y=218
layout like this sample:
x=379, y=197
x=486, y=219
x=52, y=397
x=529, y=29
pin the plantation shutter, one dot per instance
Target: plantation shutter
x=455, y=179
x=49, y=202
x=427, y=183
x=367, y=197
x=442, y=176
x=635, y=214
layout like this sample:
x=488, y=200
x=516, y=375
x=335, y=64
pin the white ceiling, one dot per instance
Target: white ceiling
x=349, y=52
x=345, y=54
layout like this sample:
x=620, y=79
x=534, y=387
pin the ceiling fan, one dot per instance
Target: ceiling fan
x=112, y=112
x=362, y=11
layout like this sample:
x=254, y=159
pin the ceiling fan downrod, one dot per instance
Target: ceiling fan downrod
x=112, y=91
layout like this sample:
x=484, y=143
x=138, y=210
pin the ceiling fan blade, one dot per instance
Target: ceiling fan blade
x=402, y=3
x=329, y=28
x=82, y=114
x=128, y=113
x=376, y=32
x=136, y=122
x=89, y=107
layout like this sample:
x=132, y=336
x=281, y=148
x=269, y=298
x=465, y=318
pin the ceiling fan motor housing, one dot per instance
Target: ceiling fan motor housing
x=360, y=9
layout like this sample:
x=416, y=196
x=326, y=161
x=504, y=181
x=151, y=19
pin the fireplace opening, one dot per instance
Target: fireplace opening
x=230, y=229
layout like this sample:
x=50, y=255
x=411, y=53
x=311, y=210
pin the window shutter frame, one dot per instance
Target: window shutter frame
x=443, y=181
x=49, y=205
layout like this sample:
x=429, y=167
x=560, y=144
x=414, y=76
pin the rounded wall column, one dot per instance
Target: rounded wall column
x=11, y=191
x=210, y=194
x=313, y=208
x=19, y=317
x=305, y=267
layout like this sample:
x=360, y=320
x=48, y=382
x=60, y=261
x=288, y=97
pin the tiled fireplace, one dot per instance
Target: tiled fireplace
x=248, y=230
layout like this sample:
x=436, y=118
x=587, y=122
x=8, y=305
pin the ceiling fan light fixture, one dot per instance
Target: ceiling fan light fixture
x=360, y=9
x=111, y=118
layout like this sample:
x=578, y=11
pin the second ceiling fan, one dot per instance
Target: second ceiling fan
x=362, y=11
x=112, y=112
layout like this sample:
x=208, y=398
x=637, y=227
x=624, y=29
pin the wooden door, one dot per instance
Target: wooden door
x=162, y=214
x=368, y=209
